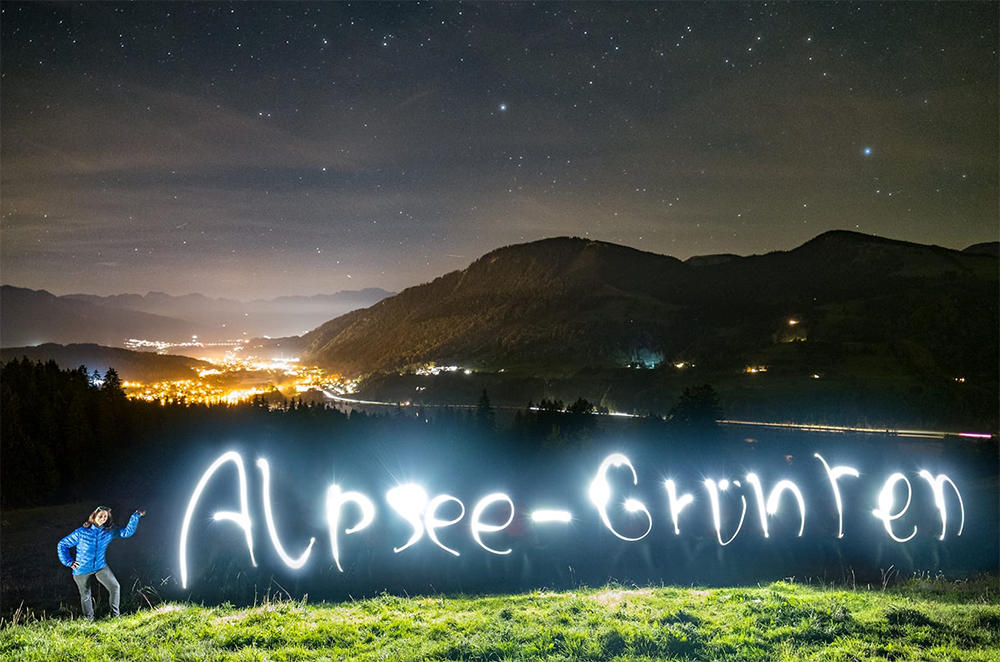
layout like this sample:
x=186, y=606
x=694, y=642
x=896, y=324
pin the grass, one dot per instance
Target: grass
x=917, y=620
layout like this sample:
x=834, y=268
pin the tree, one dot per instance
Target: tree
x=27, y=472
x=580, y=419
x=697, y=409
x=485, y=415
x=113, y=385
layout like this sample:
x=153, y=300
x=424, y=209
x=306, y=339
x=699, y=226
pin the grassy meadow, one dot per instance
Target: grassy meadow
x=913, y=620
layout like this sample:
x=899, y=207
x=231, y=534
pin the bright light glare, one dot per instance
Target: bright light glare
x=335, y=500
x=294, y=564
x=937, y=483
x=676, y=505
x=433, y=523
x=713, y=496
x=241, y=518
x=409, y=501
x=886, y=501
x=834, y=474
x=478, y=527
x=600, y=495
x=543, y=516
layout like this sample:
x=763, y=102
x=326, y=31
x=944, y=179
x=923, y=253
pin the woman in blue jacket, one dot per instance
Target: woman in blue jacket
x=91, y=541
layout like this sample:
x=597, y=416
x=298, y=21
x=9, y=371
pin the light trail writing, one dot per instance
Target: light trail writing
x=496, y=512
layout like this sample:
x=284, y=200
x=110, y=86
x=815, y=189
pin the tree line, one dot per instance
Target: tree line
x=66, y=433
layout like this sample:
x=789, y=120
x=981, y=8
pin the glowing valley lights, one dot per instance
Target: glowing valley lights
x=623, y=515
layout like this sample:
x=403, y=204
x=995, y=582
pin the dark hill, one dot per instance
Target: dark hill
x=228, y=318
x=33, y=317
x=710, y=260
x=562, y=306
x=988, y=248
x=561, y=302
x=130, y=366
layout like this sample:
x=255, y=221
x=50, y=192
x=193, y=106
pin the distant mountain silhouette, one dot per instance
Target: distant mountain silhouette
x=31, y=317
x=229, y=318
x=34, y=317
x=134, y=366
x=561, y=306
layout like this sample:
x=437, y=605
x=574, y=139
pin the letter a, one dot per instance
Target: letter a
x=241, y=518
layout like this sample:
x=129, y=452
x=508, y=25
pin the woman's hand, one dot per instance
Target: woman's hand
x=141, y=513
x=76, y=564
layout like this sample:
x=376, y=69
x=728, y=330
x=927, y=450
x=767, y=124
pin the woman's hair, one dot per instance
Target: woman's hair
x=108, y=523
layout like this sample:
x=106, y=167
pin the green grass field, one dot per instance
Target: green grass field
x=916, y=620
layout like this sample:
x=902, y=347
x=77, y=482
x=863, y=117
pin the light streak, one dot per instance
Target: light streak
x=543, y=516
x=433, y=523
x=676, y=505
x=478, y=527
x=412, y=503
x=713, y=496
x=937, y=483
x=773, y=501
x=761, y=506
x=294, y=564
x=834, y=474
x=241, y=518
x=809, y=427
x=335, y=500
x=600, y=495
x=886, y=501
x=340, y=398
x=409, y=501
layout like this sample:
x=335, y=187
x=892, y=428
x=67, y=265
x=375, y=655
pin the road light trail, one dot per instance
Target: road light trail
x=806, y=427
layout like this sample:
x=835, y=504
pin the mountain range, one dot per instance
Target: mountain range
x=32, y=317
x=560, y=306
x=846, y=329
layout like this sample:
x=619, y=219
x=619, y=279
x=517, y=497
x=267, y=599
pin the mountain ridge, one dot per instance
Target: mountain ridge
x=36, y=316
x=33, y=317
x=579, y=303
x=130, y=365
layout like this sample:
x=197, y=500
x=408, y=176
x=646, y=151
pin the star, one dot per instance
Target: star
x=503, y=107
x=867, y=151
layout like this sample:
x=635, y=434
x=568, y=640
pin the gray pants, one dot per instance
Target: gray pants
x=108, y=580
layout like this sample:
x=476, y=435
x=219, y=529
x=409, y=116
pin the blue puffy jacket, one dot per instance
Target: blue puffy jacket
x=91, y=543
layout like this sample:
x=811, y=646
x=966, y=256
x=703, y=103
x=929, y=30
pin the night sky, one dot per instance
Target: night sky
x=253, y=150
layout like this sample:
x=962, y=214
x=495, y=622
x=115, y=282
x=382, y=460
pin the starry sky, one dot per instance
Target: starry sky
x=261, y=149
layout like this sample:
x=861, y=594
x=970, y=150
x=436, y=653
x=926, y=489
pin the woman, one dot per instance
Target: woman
x=91, y=541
